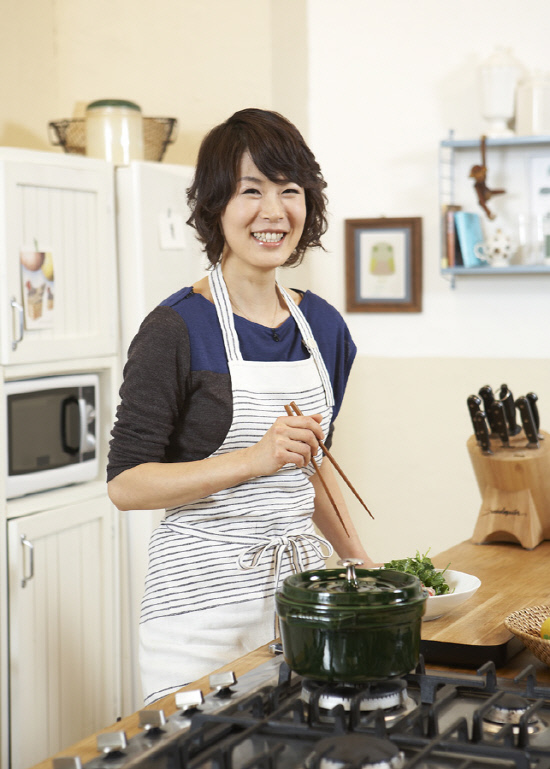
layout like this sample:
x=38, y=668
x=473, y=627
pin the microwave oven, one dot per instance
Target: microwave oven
x=52, y=429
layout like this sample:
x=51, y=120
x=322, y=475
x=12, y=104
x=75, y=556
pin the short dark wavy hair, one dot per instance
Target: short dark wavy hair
x=279, y=152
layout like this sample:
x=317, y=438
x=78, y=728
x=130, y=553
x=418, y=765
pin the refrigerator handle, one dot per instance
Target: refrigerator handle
x=20, y=322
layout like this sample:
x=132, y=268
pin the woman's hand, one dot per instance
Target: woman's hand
x=155, y=485
x=289, y=440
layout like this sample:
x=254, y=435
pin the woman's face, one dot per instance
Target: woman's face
x=264, y=220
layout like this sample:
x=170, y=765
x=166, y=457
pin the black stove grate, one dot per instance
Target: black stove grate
x=273, y=728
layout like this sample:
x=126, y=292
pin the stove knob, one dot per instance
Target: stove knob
x=151, y=719
x=111, y=742
x=222, y=682
x=189, y=701
x=67, y=762
x=276, y=648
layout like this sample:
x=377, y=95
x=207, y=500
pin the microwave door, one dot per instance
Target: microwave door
x=51, y=437
x=86, y=414
x=76, y=416
x=44, y=430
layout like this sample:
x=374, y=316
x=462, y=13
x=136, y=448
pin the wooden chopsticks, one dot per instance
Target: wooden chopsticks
x=318, y=471
x=337, y=467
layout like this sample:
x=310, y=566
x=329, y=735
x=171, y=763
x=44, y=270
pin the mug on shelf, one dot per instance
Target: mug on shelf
x=497, y=250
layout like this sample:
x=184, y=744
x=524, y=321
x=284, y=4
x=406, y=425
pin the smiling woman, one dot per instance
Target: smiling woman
x=202, y=428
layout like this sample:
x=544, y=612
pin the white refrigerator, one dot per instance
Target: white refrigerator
x=157, y=255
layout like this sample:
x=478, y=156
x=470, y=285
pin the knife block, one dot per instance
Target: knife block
x=515, y=489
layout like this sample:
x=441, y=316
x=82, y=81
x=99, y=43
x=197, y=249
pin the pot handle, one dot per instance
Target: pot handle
x=349, y=564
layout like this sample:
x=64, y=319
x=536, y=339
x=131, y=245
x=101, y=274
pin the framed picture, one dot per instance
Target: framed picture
x=384, y=265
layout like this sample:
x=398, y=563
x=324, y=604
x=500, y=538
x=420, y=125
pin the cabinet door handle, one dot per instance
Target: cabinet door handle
x=27, y=545
x=20, y=322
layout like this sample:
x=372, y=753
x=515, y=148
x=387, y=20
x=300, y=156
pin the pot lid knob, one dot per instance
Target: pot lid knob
x=349, y=564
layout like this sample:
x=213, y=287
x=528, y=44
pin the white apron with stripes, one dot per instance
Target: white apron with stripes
x=215, y=564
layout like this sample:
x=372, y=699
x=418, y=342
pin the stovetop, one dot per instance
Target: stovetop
x=271, y=718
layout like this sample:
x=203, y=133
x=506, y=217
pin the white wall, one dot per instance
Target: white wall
x=388, y=80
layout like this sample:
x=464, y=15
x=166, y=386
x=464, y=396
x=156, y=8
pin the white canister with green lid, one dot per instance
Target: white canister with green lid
x=114, y=131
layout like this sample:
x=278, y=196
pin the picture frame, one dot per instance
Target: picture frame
x=383, y=264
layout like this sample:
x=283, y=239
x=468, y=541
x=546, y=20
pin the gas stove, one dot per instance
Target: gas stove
x=272, y=718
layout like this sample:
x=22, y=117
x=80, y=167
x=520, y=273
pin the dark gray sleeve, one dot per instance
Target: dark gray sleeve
x=152, y=392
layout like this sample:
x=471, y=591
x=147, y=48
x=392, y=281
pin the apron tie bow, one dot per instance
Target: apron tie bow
x=280, y=545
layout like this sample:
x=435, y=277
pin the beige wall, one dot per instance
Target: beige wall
x=387, y=81
x=401, y=437
x=196, y=60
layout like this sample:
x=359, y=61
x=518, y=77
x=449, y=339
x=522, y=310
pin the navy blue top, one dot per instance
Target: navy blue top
x=176, y=398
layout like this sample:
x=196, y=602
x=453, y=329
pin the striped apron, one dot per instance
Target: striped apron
x=215, y=564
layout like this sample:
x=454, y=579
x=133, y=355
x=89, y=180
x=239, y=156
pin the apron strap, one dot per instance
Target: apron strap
x=225, y=313
x=310, y=343
x=231, y=340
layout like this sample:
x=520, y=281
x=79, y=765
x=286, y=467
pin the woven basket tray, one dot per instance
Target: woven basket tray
x=158, y=133
x=526, y=624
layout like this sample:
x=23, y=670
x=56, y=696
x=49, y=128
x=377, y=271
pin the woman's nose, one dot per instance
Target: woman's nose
x=272, y=208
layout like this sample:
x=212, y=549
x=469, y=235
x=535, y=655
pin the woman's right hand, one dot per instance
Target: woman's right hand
x=155, y=485
x=290, y=439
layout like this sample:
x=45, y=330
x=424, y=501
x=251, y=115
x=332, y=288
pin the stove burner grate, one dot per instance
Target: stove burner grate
x=358, y=750
x=390, y=696
x=511, y=709
x=273, y=721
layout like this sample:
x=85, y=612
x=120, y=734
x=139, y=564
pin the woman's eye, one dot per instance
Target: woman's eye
x=251, y=191
x=292, y=191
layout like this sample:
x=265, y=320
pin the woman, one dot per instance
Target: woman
x=202, y=428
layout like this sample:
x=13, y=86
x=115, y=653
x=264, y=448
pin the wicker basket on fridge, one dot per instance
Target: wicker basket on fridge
x=158, y=133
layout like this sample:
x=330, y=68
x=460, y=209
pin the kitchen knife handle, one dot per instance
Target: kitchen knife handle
x=528, y=422
x=498, y=420
x=507, y=400
x=533, y=398
x=482, y=432
x=474, y=407
x=486, y=393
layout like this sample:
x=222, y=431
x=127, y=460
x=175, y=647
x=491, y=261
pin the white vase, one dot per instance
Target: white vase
x=499, y=77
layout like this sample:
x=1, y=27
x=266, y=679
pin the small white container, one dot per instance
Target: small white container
x=533, y=105
x=499, y=76
x=114, y=131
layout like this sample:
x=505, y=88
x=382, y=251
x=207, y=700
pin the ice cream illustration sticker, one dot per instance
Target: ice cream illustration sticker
x=38, y=288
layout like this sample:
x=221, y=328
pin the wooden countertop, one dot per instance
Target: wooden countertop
x=511, y=578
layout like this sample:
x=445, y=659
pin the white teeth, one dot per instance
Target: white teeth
x=269, y=237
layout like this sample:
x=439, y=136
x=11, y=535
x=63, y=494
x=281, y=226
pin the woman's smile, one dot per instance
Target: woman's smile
x=269, y=237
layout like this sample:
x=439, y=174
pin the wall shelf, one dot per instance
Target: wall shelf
x=514, y=269
x=508, y=160
x=501, y=141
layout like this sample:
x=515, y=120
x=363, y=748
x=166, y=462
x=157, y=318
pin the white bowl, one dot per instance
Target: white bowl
x=462, y=587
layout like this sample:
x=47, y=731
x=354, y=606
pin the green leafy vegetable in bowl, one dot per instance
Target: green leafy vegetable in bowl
x=422, y=567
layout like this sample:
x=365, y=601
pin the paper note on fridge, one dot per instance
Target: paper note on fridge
x=171, y=230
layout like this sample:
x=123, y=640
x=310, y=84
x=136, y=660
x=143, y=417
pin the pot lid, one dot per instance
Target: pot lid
x=354, y=587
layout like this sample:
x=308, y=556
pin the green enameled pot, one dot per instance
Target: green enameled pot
x=351, y=626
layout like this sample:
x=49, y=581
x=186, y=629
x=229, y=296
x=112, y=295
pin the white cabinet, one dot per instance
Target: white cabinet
x=62, y=630
x=58, y=275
